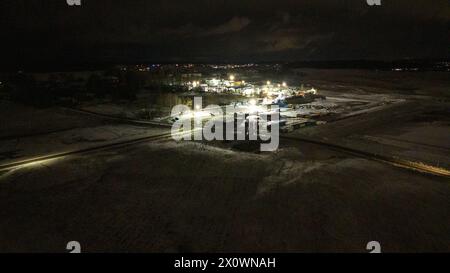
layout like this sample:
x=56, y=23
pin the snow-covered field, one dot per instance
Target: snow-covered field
x=171, y=196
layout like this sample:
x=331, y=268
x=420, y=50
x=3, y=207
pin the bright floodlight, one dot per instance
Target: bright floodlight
x=268, y=82
x=231, y=77
x=284, y=84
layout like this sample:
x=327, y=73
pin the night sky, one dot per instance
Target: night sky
x=35, y=31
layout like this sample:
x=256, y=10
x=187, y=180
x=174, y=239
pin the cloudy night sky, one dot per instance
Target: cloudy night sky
x=223, y=30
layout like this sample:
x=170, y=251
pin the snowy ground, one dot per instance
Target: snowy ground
x=178, y=197
x=415, y=131
x=19, y=120
x=194, y=197
x=70, y=140
x=37, y=132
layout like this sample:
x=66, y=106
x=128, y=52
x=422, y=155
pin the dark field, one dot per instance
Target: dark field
x=167, y=196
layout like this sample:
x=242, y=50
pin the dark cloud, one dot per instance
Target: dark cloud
x=235, y=24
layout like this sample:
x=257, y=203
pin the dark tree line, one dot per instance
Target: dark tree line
x=65, y=88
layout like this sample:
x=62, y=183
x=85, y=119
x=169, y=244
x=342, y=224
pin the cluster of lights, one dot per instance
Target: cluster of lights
x=284, y=84
x=246, y=89
x=232, y=78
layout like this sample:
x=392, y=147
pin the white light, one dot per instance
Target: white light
x=252, y=102
x=231, y=77
x=268, y=82
x=284, y=84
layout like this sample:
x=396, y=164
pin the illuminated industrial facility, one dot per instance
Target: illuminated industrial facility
x=269, y=92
